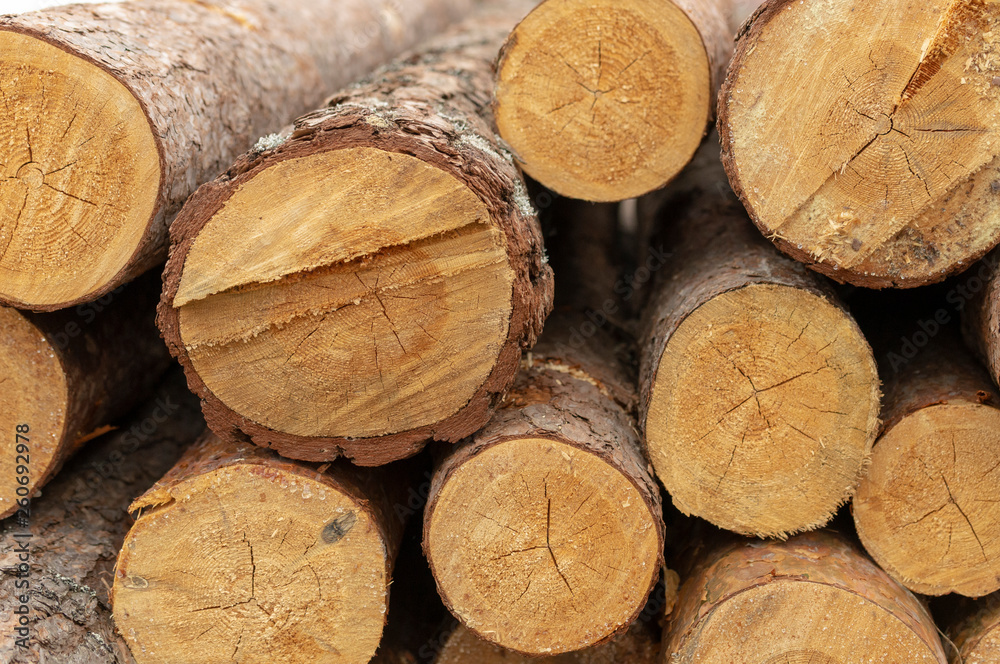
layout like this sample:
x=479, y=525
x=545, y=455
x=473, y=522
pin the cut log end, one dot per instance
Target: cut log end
x=885, y=172
x=34, y=393
x=300, y=575
x=81, y=180
x=763, y=427
x=929, y=502
x=811, y=600
x=351, y=299
x=548, y=528
x=976, y=632
x=605, y=100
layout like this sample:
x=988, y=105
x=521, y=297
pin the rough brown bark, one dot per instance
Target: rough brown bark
x=882, y=173
x=71, y=373
x=77, y=528
x=927, y=507
x=561, y=511
x=607, y=100
x=978, y=297
x=814, y=598
x=427, y=112
x=211, y=76
x=285, y=561
x=975, y=631
x=759, y=395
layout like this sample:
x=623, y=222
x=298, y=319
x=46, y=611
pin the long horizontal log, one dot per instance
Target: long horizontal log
x=114, y=113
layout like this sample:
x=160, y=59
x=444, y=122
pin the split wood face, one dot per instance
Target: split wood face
x=604, y=100
x=875, y=157
x=927, y=509
x=253, y=563
x=538, y=527
x=34, y=392
x=340, y=306
x=633, y=647
x=81, y=175
x=754, y=420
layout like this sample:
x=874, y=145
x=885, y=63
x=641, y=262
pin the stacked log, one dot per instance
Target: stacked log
x=403, y=322
x=67, y=376
x=239, y=555
x=975, y=632
x=68, y=539
x=759, y=394
x=814, y=598
x=882, y=172
x=115, y=113
x=927, y=509
x=609, y=100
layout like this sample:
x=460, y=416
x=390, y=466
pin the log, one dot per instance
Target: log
x=927, y=509
x=975, y=632
x=239, y=555
x=759, y=396
x=404, y=321
x=636, y=646
x=977, y=296
x=68, y=375
x=77, y=528
x=544, y=530
x=115, y=114
x=609, y=100
x=814, y=599
x=882, y=171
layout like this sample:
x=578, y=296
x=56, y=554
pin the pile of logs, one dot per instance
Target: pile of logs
x=577, y=328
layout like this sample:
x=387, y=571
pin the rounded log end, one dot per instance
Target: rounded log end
x=541, y=547
x=930, y=503
x=763, y=410
x=34, y=403
x=885, y=169
x=634, y=647
x=252, y=563
x=339, y=307
x=607, y=100
x=81, y=180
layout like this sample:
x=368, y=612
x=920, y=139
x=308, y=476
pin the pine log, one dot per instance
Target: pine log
x=404, y=321
x=239, y=555
x=607, y=100
x=544, y=530
x=759, y=394
x=636, y=646
x=814, y=599
x=77, y=528
x=978, y=298
x=928, y=508
x=975, y=633
x=69, y=374
x=739, y=12
x=879, y=168
x=115, y=114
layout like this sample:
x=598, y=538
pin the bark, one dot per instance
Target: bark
x=109, y=358
x=77, y=528
x=433, y=106
x=327, y=576
x=732, y=367
x=813, y=598
x=978, y=297
x=926, y=506
x=622, y=102
x=212, y=76
x=574, y=394
x=883, y=176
